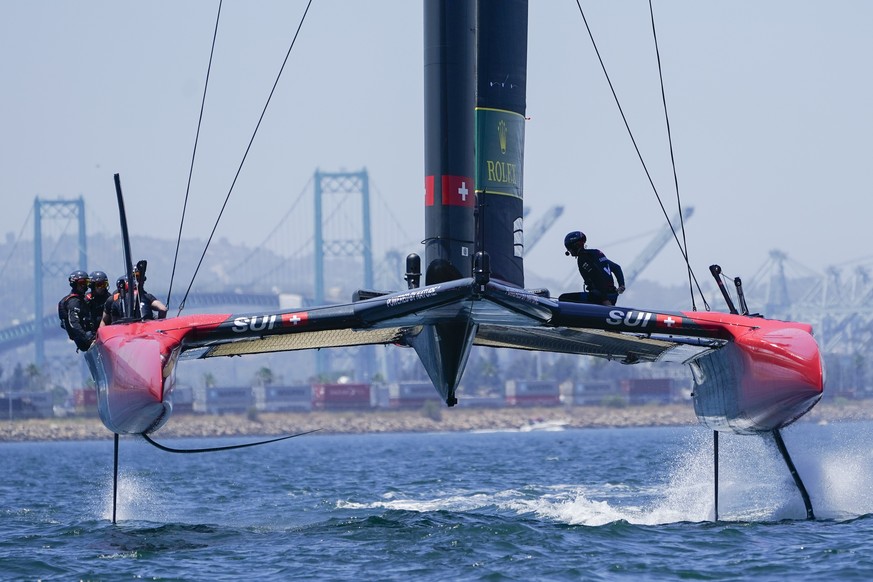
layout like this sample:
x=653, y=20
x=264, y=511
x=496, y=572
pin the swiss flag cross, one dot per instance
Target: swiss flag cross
x=671, y=321
x=295, y=319
x=458, y=191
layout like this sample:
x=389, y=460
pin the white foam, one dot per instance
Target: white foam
x=754, y=483
x=138, y=499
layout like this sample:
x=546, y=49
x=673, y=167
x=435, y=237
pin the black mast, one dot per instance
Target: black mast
x=449, y=75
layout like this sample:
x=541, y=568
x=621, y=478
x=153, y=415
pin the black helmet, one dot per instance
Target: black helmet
x=139, y=271
x=121, y=283
x=98, y=280
x=574, y=241
x=77, y=278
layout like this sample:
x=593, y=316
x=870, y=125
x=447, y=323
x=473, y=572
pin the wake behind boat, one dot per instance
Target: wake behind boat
x=544, y=425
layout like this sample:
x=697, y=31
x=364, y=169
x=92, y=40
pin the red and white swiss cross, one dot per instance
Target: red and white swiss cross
x=295, y=319
x=671, y=321
x=456, y=191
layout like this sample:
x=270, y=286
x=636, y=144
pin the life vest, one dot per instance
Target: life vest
x=94, y=306
x=118, y=303
x=64, y=311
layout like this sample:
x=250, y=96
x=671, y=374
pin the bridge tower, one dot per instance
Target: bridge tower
x=778, y=301
x=341, y=238
x=63, y=211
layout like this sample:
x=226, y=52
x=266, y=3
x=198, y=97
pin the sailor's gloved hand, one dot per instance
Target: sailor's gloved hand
x=620, y=289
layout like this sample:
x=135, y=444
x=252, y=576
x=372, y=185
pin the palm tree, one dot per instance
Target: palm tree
x=34, y=377
x=264, y=376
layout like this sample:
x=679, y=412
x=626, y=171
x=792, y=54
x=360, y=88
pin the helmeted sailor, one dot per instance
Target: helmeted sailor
x=73, y=312
x=599, y=273
x=95, y=299
x=150, y=306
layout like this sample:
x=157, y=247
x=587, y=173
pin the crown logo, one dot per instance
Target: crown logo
x=501, y=133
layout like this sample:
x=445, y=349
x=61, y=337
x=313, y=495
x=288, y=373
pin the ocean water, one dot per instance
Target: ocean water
x=597, y=504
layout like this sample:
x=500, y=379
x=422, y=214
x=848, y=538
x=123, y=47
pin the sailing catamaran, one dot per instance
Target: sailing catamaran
x=751, y=374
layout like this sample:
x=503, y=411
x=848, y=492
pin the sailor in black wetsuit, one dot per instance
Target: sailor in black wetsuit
x=95, y=300
x=151, y=306
x=596, y=270
x=73, y=312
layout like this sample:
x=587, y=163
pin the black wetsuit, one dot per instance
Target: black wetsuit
x=115, y=307
x=145, y=304
x=598, y=271
x=95, y=305
x=75, y=320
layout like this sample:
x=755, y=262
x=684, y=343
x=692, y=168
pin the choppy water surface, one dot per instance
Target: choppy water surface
x=589, y=504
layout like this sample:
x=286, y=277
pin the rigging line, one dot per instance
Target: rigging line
x=672, y=153
x=225, y=448
x=728, y=282
x=245, y=155
x=194, y=153
x=633, y=140
x=17, y=240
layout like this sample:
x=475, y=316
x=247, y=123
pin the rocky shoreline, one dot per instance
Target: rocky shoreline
x=442, y=420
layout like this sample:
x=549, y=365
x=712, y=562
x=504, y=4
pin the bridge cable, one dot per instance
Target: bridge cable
x=257, y=249
x=15, y=244
x=305, y=246
x=245, y=155
x=637, y=149
x=225, y=448
x=194, y=154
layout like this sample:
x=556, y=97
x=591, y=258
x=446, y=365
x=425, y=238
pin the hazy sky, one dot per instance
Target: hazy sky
x=771, y=108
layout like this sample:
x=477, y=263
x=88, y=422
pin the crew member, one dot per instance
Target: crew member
x=114, y=309
x=96, y=298
x=73, y=312
x=599, y=273
x=151, y=306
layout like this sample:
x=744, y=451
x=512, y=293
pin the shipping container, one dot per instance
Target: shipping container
x=341, y=396
x=532, y=393
x=411, y=394
x=465, y=401
x=182, y=399
x=223, y=399
x=648, y=390
x=283, y=398
x=23, y=405
x=85, y=401
x=597, y=392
